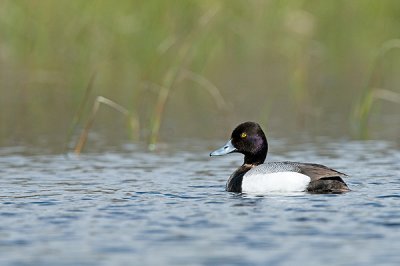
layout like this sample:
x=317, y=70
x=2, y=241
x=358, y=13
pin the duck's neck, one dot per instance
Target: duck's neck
x=253, y=161
x=256, y=158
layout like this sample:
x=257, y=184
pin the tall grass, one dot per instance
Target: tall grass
x=299, y=63
x=375, y=88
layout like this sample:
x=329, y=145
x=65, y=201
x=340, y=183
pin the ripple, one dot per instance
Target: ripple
x=389, y=196
x=137, y=207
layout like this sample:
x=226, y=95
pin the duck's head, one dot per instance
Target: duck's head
x=249, y=139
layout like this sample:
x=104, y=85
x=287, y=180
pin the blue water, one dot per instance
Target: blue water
x=132, y=207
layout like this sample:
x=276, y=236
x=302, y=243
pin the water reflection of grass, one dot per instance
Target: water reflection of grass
x=301, y=61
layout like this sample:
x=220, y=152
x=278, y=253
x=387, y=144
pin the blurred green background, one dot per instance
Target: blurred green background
x=194, y=69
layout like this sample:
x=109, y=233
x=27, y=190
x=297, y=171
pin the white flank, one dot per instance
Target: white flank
x=275, y=182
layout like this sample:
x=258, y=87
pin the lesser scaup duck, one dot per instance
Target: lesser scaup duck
x=255, y=176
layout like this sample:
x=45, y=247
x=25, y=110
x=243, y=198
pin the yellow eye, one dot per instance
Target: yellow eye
x=243, y=135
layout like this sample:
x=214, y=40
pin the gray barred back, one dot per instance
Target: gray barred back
x=274, y=167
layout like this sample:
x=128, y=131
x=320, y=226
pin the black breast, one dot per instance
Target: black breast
x=234, y=183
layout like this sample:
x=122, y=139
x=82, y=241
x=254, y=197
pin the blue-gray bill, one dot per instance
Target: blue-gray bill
x=227, y=148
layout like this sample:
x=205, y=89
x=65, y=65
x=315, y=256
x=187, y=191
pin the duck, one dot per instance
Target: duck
x=257, y=176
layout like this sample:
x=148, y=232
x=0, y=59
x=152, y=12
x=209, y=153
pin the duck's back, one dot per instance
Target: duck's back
x=274, y=167
x=314, y=171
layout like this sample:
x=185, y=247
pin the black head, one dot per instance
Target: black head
x=249, y=139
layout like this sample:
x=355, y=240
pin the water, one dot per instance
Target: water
x=132, y=207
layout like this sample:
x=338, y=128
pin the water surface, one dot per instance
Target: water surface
x=132, y=207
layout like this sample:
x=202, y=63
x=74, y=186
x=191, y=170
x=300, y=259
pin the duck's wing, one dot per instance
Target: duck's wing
x=318, y=171
x=323, y=179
